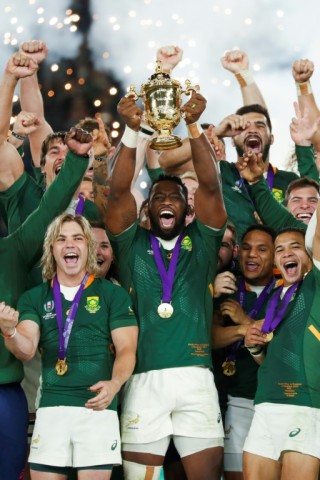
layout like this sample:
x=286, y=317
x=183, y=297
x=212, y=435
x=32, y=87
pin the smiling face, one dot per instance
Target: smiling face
x=192, y=186
x=227, y=251
x=302, y=202
x=291, y=257
x=70, y=251
x=256, y=137
x=256, y=257
x=167, y=209
x=104, y=250
x=54, y=158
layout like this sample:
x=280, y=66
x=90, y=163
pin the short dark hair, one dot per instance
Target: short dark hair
x=300, y=183
x=255, y=108
x=291, y=229
x=261, y=228
x=47, y=142
x=170, y=178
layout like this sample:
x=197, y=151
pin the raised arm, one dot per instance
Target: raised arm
x=11, y=165
x=209, y=205
x=237, y=62
x=21, y=340
x=121, y=210
x=31, y=98
x=302, y=130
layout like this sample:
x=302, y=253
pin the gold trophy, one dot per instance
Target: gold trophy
x=162, y=102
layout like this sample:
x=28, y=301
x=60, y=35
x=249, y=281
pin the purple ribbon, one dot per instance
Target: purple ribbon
x=270, y=177
x=232, y=349
x=167, y=276
x=277, y=310
x=64, y=332
x=80, y=205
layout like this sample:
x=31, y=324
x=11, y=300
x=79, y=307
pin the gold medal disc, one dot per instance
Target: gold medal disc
x=61, y=367
x=229, y=368
x=269, y=336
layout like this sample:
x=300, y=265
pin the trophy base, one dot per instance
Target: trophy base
x=166, y=143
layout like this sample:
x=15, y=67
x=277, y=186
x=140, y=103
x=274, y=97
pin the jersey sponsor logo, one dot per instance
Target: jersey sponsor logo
x=92, y=304
x=34, y=443
x=186, y=243
x=114, y=445
x=49, y=306
x=150, y=252
x=295, y=432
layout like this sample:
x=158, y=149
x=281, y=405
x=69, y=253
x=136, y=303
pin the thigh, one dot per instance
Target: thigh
x=204, y=465
x=258, y=467
x=297, y=465
x=13, y=431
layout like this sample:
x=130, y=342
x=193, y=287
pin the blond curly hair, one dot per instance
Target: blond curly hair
x=48, y=263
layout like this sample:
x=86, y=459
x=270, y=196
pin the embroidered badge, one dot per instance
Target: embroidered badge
x=186, y=243
x=278, y=195
x=92, y=304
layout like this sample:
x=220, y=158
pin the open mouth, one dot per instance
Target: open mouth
x=100, y=261
x=167, y=219
x=291, y=268
x=304, y=217
x=251, y=266
x=57, y=168
x=253, y=144
x=71, y=258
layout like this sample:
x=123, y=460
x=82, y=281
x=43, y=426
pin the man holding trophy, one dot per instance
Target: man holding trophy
x=169, y=272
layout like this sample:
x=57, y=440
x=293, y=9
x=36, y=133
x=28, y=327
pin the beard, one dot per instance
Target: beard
x=166, y=235
x=265, y=151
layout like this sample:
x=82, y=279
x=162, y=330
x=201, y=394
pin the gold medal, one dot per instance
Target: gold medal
x=165, y=310
x=229, y=368
x=269, y=336
x=61, y=366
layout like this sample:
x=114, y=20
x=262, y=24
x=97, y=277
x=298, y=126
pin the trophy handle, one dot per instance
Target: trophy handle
x=190, y=88
x=132, y=93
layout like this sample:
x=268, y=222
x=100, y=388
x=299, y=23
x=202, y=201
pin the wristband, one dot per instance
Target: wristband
x=244, y=78
x=8, y=337
x=258, y=353
x=17, y=135
x=254, y=349
x=146, y=132
x=303, y=88
x=194, y=130
x=129, y=138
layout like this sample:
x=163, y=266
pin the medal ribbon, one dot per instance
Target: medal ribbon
x=270, y=177
x=232, y=349
x=64, y=333
x=80, y=205
x=277, y=310
x=167, y=276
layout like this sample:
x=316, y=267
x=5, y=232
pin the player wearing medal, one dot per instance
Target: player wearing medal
x=283, y=441
x=170, y=394
x=78, y=322
x=234, y=314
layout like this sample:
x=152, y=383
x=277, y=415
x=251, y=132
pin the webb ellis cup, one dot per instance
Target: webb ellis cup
x=162, y=102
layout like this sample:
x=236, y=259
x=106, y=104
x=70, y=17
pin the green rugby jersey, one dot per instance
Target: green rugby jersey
x=290, y=373
x=23, y=248
x=244, y=382
x=184, y=338
x=103, y=307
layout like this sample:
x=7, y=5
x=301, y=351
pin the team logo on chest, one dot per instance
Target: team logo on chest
x=186, y=243
x=92, y=304
x=49, y=306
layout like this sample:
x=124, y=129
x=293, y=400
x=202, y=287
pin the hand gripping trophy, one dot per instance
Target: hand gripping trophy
x=162, y=102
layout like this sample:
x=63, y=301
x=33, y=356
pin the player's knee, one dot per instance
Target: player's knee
x=136, y=471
